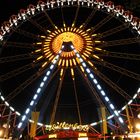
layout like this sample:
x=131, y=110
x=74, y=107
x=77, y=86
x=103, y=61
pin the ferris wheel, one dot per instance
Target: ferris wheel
x=67, y=58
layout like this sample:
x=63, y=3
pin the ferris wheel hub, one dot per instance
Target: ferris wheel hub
x=78, y=37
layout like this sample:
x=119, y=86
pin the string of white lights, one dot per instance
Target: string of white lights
x=98, y=86
x=39, y=89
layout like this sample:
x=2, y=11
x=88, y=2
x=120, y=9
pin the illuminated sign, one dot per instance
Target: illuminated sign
x=83, y=138
x=52, y=136
x=64, y=125
x=82, y=134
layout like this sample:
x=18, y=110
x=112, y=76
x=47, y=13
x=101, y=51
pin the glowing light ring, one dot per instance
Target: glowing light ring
x=23, y=15
x=41, y=6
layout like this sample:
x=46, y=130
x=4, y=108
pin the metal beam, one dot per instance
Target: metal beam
x=17, y=57
x=119, y=42
x=22, y=86
x=38, y=26
x=56, y=100
x=93, y=91
x=20, y=45
x=77, y=103
x=26, y=33
x=101, y=23
x=17, y=71
x=76, y=15
x=50, y=20
x=113, y=31
x=119, y=55
x=89, y=18
x=118, y=69
x=113, y=85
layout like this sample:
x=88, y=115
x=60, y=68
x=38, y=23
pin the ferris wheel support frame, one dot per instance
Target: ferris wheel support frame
x=111, y=107
x=37, y=96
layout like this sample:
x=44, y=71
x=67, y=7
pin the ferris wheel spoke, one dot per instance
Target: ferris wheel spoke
x=101, y=23
x=112, y=84
x=38, y=26
x=77, y=102
x=62, y=15
x=50, y=96
x=119, y=42
x=25, y=84
x=16, y=58
x=41, y=19
x=19, y=44
x=118, y=69
x=3, y=110
x=76, y=15
x=50, y=20
x=27, y=34
x=57, y=98
x=113, y=31
x=119, y=55
x=97, y=98
x=17, y=71
x=89, y=18
x=28, y=82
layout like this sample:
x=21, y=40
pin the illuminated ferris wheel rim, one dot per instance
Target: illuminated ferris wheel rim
x=41, y=6
x=32, y=10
